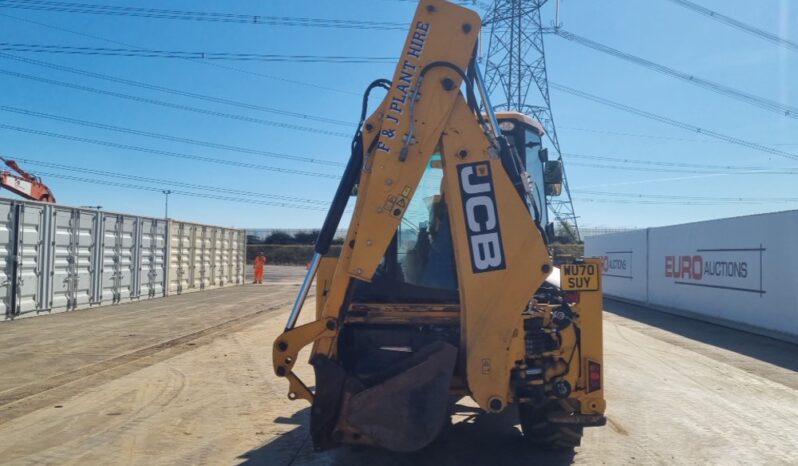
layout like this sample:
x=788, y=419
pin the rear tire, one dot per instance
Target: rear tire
x=538, y=430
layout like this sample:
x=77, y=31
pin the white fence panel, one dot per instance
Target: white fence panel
x=738, y=270
x=625, y=263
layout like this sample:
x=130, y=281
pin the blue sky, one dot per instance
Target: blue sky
x=657, y=30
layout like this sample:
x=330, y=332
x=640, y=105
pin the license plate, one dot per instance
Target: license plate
x=579, y=277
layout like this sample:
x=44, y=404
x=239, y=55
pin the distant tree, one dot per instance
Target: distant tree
x=306, y=237
x=254, y=239
x=566, y=234
x=279, y=237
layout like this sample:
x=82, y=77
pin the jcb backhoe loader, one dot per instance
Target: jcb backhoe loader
x=439, y=291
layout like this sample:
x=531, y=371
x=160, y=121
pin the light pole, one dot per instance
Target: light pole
x=166, y=193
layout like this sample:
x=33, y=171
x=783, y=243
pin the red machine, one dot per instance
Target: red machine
x=24, y=183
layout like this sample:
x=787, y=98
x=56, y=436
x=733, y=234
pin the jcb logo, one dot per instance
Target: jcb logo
x=482, y=220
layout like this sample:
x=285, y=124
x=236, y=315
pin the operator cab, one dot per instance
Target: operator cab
x=419, y=264
x=545, y=176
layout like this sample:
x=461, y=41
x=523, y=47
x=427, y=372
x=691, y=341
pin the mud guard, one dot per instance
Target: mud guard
x=402, y=408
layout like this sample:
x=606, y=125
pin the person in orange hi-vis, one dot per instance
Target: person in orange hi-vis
x=260, y=261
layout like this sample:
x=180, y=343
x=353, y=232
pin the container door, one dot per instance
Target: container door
x=191, y=258
x=97, y=250
x=224, y=257
x=72, y=256
x=199, y=257
x=152, y=258
x=137, y=260
x=180, y=260
x=239, y=256
x=34, y=252
x=175, y=265
x=83, y=227
x=126, y=249
x=109, y=268
x=216, y=257
x=157, y=274
x=7, y=253
x=64, y=271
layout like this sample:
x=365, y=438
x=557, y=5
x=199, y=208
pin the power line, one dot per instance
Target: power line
x=654, y=136
x=174, y=106
x=166, y=137
x=681, y=167
x=654, y=202
x=207, y=16
x=689, y=198
x=183, y=193
x=147, y=53
x=672, y=122
x=168, y=90
x=216, y=65
x=681, y=170
x=226, y=190
x=637, y=169
x=180, y=155
x=668, y=164
x=635, y=135
x=761, y=102
x=780, y=41
x=685, y=167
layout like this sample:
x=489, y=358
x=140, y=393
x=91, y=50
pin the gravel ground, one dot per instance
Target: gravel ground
x=188, y=380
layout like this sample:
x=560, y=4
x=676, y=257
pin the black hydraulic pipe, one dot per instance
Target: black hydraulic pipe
x=336, y=211
x=348, y=180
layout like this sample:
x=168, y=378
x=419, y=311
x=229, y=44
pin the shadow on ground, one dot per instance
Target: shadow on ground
x=482, y=439
x=779, y=353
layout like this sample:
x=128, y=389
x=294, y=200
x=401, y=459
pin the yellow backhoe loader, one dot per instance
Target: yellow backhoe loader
x=444, y=287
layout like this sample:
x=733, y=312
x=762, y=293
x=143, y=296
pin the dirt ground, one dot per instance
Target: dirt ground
x=188, y=380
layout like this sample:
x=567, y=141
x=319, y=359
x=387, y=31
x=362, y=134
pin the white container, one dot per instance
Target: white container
x=203, y=257
x=57, y=258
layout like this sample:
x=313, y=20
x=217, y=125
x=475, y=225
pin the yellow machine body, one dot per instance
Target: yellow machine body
x=390, y=350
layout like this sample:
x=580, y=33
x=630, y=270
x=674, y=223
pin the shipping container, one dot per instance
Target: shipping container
x=57, y=258
x=203, y=257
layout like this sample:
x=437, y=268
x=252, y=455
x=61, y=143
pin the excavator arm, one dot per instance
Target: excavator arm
x=23, y=183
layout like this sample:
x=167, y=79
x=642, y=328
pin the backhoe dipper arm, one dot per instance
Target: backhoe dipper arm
x=440, y=31
x=501, y=258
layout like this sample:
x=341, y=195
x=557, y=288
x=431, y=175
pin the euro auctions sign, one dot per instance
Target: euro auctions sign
x=738, y=271
x=617, y=264
x=734, y=269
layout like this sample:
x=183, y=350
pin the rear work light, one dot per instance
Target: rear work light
x=571, y=297
x=593, y=376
